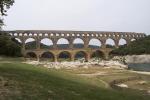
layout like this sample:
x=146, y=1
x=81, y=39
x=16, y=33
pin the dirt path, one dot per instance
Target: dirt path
x=141, y=72
x=97, y=74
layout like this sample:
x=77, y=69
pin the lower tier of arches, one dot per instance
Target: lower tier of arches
x=66, y=55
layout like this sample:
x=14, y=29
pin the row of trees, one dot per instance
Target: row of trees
x=141, y=46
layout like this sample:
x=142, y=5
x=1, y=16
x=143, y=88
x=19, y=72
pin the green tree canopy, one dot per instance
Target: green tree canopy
x=141, y=46
x=4, y=6
x=8, y=46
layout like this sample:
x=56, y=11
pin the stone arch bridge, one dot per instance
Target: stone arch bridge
x=70, y=36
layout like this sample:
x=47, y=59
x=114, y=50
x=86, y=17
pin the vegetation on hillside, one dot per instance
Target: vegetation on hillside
x=8, y=46
x=141, y=46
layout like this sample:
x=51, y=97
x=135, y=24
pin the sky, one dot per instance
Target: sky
x=80, y=15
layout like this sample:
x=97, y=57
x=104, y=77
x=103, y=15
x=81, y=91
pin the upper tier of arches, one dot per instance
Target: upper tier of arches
x=53, y=39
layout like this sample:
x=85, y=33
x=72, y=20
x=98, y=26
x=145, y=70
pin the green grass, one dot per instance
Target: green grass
x=9, y=59
x=27, y=82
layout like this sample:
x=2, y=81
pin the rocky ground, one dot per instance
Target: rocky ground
x=78, y=64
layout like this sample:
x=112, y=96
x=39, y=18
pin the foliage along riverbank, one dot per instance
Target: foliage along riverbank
x=138, y=47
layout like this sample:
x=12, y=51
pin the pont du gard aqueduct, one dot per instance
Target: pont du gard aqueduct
x=55, y=51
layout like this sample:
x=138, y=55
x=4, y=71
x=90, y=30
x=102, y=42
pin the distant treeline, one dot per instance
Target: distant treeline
x=9, y=47
x=138, y=47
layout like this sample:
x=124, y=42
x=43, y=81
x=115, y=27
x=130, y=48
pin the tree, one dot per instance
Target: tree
x=4, y=6
x=138, y=47
x=8, y=46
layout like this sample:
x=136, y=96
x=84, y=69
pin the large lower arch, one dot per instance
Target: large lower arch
x=95, y=43
x=122, y=42
x=81, y=55
x=31, y=56
x=78, y=43
x=47, y=56
x=64, y=56
x=97, y=55
x=63, y=43
x=110, y=43
x=46, y=43
x=30, y=43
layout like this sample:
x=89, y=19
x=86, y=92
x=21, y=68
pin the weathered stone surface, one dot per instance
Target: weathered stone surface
x=138, y=59
x=78, y=64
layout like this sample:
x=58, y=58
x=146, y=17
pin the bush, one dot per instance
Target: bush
x=141, y=46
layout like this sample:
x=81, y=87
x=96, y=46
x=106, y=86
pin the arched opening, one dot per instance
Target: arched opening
x=64, y=56
x=133, y=40
x=113, y=53
x=78, y=43
x=30, y=43
x=122, y=42
x=94, y=43
x=18, y=40
x=46, y=43
x=63, y=43
x=97, y=55
x=110, y=43
x=47, y=56
x=31, y=56
x=81, y=56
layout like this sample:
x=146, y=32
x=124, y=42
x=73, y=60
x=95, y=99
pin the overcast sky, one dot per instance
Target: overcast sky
x=93, y=15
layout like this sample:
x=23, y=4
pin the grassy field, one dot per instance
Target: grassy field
x=27, y=82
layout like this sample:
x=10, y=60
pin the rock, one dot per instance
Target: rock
x=148, y=91
x=142, y=82
x=86, y=67
x=5, y=83
x=138, y=59
x=123, y=85
x=113, y=64
x=77, y=64
x=51, y=92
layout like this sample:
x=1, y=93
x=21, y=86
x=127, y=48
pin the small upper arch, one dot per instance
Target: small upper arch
x=78, y=43
x=95, y=43
x=110, y=43
x=122, y=41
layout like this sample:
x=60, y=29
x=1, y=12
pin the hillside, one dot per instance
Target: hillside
x=141, y=46
x=26, y=82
